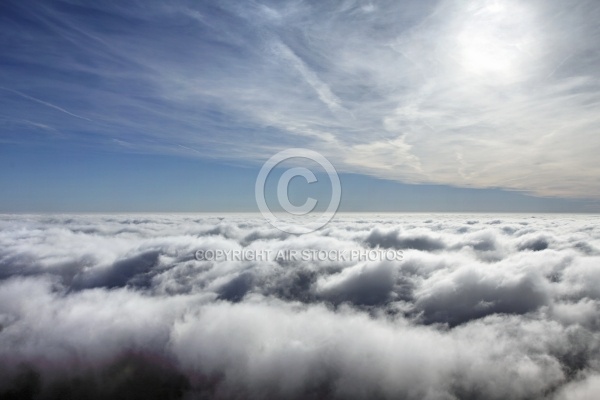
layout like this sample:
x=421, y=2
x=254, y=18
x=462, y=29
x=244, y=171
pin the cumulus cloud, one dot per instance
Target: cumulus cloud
x=476, y=307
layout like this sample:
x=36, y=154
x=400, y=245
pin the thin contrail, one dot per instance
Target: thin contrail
x=45, y=103
x=188, y=148
x=559, y=65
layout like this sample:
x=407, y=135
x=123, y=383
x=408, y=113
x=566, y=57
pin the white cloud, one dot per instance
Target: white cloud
x=482, y=94
x=83, y=298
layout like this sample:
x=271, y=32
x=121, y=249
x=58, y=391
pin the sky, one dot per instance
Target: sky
x=445, y=105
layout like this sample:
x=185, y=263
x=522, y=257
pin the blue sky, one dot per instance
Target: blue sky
x=482, y=105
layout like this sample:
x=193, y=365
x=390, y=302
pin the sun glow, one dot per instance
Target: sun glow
x=494, y=39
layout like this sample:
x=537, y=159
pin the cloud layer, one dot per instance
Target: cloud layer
x=495, y=307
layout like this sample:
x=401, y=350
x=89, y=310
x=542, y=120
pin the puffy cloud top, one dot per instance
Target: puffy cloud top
x=476, y=306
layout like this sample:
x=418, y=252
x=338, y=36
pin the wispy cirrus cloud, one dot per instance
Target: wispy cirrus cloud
x=472, y=94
